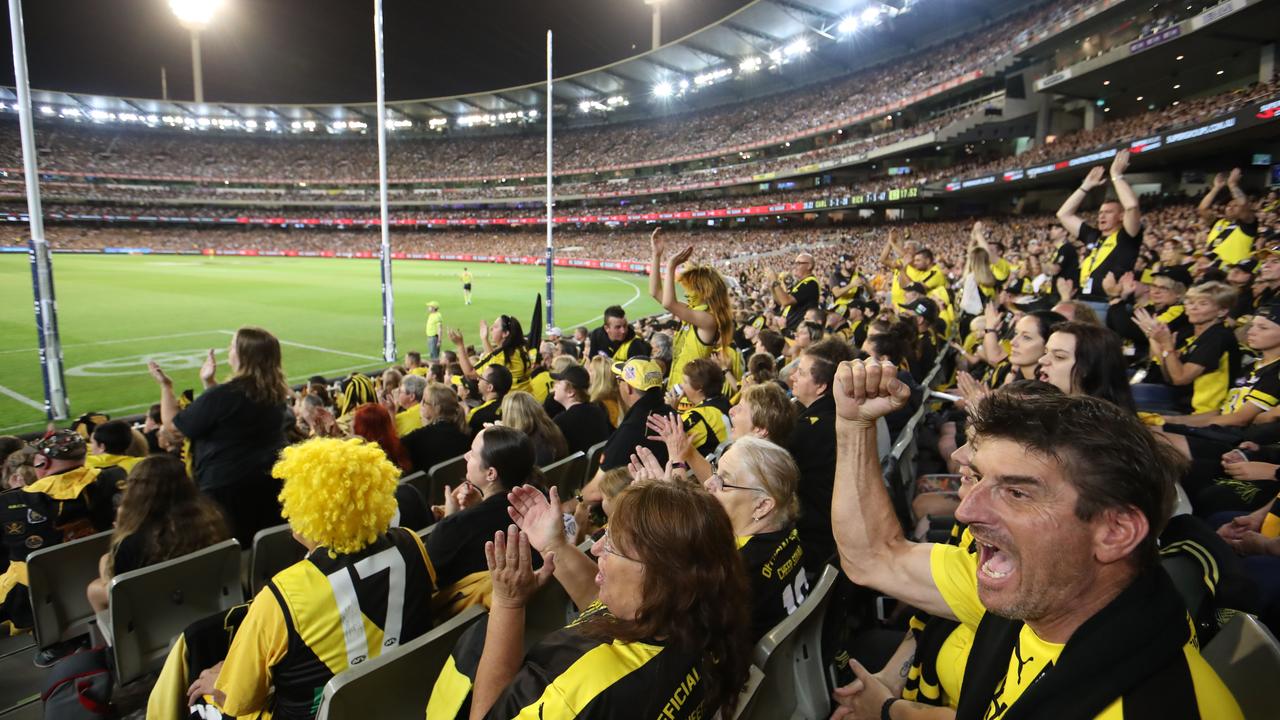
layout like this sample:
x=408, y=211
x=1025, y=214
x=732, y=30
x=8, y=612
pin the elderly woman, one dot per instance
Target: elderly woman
x=656, y=636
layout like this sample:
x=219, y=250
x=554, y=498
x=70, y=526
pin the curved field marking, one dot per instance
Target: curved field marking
x=122, y=340
x=634, y=298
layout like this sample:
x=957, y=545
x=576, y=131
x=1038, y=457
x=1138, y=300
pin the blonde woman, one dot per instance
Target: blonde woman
x=522, y=411
x=604, y=388
x=706, y=320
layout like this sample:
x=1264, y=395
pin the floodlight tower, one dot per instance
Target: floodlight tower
x=195, y=16
x=657, y=21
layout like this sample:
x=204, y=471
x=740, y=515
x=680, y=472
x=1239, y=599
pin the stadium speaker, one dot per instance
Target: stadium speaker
x=1015, y=87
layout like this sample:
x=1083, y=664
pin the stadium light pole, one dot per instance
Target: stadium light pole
x=46, y=306
x=550, y=255
x=195, y=15
x=388, y=299
x=657, y=22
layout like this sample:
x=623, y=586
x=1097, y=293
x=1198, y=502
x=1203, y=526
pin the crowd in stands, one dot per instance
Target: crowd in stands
x=1112, y=383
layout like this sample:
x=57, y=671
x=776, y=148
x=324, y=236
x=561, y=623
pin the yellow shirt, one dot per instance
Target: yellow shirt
x=955, y=575
x=409, y=420
x=434, y=321
x=126, y=462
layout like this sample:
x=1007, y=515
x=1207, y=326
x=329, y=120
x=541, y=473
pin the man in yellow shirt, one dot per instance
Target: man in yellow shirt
x=408, y=399
x=1072, y=615
x=1233, y=232
x=435, y=321
x=466, y=285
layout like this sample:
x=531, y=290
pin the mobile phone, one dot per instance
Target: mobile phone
x=1235, y=456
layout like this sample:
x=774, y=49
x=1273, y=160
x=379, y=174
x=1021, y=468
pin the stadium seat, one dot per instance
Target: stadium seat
x=790, y=655
x=566, y=475
x=748, y=695
x=420, y=481
x=1188, y=577
x=595, y=454
x=58, y=577
x=398, y=683
x=423, y=533
x=548, y=610
x=449, y=472
x=1247, y=657
x=720, y=450
x=152, y=605
x=274, y=549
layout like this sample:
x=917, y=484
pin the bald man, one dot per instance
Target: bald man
x=804, y=294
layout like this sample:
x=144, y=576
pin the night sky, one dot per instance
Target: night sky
x=316, y=51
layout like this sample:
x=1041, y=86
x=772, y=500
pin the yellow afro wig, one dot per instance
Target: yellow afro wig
x=338, y=493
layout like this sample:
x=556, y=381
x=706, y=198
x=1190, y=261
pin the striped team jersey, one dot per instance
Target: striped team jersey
x=1260, y=387
x=322, y=615
x=570, y=674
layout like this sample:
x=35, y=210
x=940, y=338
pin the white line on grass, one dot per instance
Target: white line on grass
x=21, y=398
x=634, y=298
x=113, y=411
x=317, y=348
x=123, y=340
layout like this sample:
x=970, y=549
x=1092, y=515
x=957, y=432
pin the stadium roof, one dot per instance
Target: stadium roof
x=770, y=30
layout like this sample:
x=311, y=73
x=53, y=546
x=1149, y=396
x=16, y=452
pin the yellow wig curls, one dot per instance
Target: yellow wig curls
x=338, y=493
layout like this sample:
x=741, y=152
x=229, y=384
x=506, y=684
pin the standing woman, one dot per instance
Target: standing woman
x=504, y=344
x=236, y=429
x=706, y=321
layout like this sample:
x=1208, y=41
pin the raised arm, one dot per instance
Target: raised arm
x=1205, y=208
x=1125, y=194
x=873, y=550
x=168, y=400
x=1068, y=214
x=890, y=251
x=780, y=294
x=464, y=360
x=1237, y=194
x=543, y=522
x=704, y=321
x=656, y=245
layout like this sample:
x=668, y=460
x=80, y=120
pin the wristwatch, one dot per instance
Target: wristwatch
x=884, y=709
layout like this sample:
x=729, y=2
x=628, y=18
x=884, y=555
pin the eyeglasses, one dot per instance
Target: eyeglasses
x=607, y=545
x=717, y=483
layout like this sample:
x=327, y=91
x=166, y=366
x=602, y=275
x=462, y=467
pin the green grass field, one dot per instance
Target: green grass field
x=117, y=312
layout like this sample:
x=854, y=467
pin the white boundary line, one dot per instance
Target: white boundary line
x=317, y=348
x=21, y=398
x=634, y=298
x=119, y=341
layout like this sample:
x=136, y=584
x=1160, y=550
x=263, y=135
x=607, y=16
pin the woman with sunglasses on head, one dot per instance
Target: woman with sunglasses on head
x=500, y=458
x=657, y=638
x=504, y=344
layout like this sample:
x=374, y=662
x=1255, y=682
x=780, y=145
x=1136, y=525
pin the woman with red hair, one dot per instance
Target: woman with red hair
x=374, y=423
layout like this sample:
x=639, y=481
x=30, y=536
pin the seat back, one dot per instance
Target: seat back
x=449, y=472
x=566, y=475
x=274, y=549
x=57, y=577
x=790, y=656
x=1246, y=656
x=398, y=683
x=152, y=605
x=420, y=481
x=595, y=454
x=547, y=611
x=747, y=697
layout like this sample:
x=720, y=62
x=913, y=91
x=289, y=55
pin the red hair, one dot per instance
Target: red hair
x=374, y=423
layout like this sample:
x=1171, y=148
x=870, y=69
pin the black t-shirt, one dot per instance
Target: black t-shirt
x=1102, y=257
x=456, y=546
x=435, y=443
x=129, y=554
x=1210, y=350
x=487, y=412
x=1068, y=262
x=775, y=566
x=234, y=439
x=806, y=293
x=632, y=431
x=583, y=425
x=813, y=445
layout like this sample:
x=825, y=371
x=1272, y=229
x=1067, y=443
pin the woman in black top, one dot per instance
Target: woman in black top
x=443, y=435
x=236, y=430
x=162, y=516
x=500, y=458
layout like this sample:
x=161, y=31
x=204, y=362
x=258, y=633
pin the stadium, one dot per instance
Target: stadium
x=973, y=288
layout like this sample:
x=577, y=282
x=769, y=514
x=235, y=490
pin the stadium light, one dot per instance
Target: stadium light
x=796, y=48
x=195, y=16
x=750, y=65
x=848, y=25
x=662, y=89
x=870, y=15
